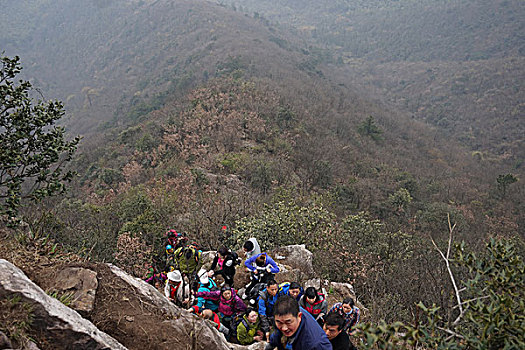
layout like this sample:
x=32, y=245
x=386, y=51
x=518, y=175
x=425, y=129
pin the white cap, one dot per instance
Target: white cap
x=203, y=276
x=175, y=276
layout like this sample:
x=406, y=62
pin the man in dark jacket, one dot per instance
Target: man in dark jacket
x=333, y=327
x=296, y=328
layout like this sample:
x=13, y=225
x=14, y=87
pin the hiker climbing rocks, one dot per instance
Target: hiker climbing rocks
x=226, y=261
x=296, y=328
x=189, y=260
x=333, y=327
x=206, y=284
x=176, y=239
x=292, y=289
x=249, y=328
x=315, y=303
x=262, y=269
x=349, y=311
x=170, y=260
x=174, y=289
x=251, y=248
x=265, y=304
x=212, y=316
x=229, y=303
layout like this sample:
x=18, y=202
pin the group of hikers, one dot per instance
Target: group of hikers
x=285, y=315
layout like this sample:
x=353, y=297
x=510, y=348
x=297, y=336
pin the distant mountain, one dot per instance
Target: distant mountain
x=455, y=64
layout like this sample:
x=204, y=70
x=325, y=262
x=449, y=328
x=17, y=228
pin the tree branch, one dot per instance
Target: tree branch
x=447, y=262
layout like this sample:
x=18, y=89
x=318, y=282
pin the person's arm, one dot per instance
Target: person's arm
x=273, y=268
x=249, y=263
x=322, y=344
x=167, y=290
x=200, y=301
x=273, y=342
x=216, y=295
x=240, y=306
x=324, y=309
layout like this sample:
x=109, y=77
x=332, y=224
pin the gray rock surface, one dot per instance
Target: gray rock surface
x=55, y=320
x=82, y=283
x=5, y=343
x=296, y=260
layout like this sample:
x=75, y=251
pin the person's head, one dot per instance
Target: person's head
x=174, y=277
x=252, y=315
x=171, y=233
x=287, y=315
x=333, y=325
x=272, y=287
x=311, y=295
x=248, y=246
x=223, y=251
x=348, y=304
x=226, y=292
x=294, y=290
x=260, y=260
x=207, y=314
x=169, y=249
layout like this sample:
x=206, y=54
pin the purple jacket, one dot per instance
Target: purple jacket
x=227, y=307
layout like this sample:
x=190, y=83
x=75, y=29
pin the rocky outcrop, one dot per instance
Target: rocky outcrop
x=80, y=284
x=185, y=328
x=55, y=321
x=295, y=261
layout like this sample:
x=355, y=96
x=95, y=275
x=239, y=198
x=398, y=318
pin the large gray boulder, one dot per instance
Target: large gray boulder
x=186, y=329
x=54, y=320
x=295, y=261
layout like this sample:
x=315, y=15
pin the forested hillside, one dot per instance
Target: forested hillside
x=455, y=64
x=198, y=115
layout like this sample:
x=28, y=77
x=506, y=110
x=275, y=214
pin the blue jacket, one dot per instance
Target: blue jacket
x=309, y=335
x=206, y=303
x=250, y=264
x=265, y=304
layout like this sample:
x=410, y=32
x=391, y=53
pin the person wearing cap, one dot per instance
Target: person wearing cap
x=173, y=289
x=171, y=262
x=206, y=284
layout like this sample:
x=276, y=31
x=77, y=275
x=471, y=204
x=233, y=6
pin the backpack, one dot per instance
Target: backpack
x=254, y=294
x=236, y=321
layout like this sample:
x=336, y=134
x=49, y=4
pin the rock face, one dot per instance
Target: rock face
x=296, y=262
x=81, y=283
x=186, y=330
x=64, y=326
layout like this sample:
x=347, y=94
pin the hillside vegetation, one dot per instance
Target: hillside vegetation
x=457, y=65
x=197, y=115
